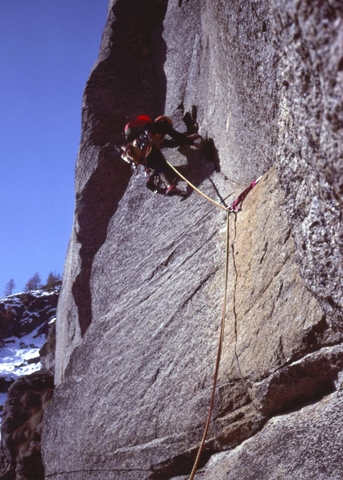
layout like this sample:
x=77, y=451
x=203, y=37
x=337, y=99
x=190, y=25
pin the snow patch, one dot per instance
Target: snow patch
x=15, y=298
x=15, y=356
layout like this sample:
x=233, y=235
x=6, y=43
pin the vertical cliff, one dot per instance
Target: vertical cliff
x=139, y=311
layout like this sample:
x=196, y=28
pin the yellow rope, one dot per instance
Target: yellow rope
x=220, y=343
x=195, y=188
x=222, y=323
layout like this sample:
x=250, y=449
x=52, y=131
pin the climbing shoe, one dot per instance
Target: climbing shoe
x=171, y=189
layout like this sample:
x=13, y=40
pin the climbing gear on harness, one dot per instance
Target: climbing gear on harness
x=136, y=153
x=132, y=154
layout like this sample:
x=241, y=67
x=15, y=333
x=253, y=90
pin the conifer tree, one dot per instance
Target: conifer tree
x=33, y=283
x=52, y=280
x=9, y=287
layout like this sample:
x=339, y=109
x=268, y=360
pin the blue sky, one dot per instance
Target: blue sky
x=47, y=50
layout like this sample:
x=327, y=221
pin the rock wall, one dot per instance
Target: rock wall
x=139, y=311
x=21, y=429
x=310, y=36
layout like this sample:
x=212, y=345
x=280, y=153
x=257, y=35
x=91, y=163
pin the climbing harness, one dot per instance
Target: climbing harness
x=233, y=208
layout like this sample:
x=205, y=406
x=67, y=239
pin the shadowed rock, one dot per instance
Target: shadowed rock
x=140, y=306
x=28, y=397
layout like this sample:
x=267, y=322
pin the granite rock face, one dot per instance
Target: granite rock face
x=140, y=307
x=299, y=445
x=310, y=152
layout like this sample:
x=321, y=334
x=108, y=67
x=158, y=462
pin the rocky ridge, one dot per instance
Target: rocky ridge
x=26, y=379
x=139, y=311
x=25, y=321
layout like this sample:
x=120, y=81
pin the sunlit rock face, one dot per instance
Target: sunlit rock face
x=139, y=313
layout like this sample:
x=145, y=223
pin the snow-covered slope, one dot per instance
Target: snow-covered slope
x=20, y=356
x=24, y=325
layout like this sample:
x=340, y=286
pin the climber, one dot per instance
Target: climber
x=143, y=151
x=157, y=130
x=146, y=138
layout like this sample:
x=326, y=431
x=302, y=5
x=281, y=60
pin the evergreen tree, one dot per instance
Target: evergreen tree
x=52, y=280
x=33, y=283
x=9, y=287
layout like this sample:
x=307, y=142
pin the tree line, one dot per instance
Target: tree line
x=35, y=283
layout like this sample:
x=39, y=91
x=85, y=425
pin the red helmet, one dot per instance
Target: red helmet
x=136, y=126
